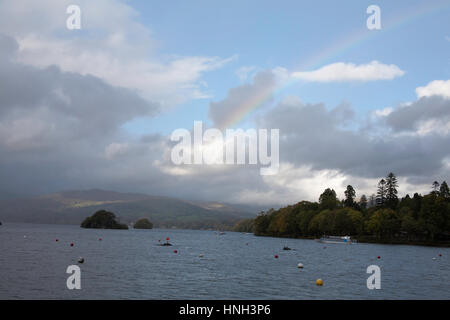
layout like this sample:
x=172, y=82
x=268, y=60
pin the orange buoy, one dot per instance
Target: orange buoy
x=275, y=256
x=175, y=251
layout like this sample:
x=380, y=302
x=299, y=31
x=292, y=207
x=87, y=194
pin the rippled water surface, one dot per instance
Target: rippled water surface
x=128, y=264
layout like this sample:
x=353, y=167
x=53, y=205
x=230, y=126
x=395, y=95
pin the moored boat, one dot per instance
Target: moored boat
x=336, y=239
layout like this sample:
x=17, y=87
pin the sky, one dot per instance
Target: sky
x=95, y=107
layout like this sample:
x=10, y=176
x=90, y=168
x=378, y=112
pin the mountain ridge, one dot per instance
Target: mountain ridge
x=72, y=206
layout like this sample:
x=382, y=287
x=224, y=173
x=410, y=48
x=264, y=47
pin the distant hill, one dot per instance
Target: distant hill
x=72, y=207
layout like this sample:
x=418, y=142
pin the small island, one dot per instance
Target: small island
x=143, y=224
x=103, y=219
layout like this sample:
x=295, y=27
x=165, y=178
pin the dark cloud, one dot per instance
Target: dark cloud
x=238, y=98
x=8, y=47
x=312, y=135
x=410, y=117
x=62, y=131
x=64, y=105
x=55, y=126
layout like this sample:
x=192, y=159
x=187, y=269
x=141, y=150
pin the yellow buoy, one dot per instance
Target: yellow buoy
x=319, y=282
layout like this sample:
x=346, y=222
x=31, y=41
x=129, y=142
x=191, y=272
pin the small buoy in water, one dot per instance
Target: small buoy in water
x=57, y=240
x=201, y=256
x=167, y=239
x=275, y=256
x=71, y=244
x=300, y=266
x=246, y=244
x=99, y=239
x=434, y=258
x=175, y=251
x=80, y=260
x=378, y=257
x=319, y=282
x=440, y=254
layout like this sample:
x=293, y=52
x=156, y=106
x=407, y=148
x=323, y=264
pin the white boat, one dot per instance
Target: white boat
x=336, y=239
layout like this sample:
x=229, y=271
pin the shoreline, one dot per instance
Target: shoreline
x=422, y=243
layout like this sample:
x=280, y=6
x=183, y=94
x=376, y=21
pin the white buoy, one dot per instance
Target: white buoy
x=80, y=260
x=300, y=266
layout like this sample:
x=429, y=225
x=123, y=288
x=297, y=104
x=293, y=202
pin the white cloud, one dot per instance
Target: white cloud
x=112, y=45
x=435, y=88
x=433, y=126
x=383, y=112
x=292, y=181
x=115, y=149
x=341, y=72
x=244, y=73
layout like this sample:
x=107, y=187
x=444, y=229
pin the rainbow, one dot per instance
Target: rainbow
x=330, y=53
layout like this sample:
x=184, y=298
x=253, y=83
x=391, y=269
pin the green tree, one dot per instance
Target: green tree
x=415, y=217
x=342, y=224
x=417, y=204
x=350, y=195
x=434, y=213
x=244, y=225
x=435, y=187
x=328, y=200
x=444, y=191
x=303, y=221
x=357, y=220
x=363, y=202
x=391, y=191
x=261, y=224
x=322, y=223
x=372, y=200
x=143, y=223
x=384, y=223
x=381, y=193
x=408, y=223
x=102, y=219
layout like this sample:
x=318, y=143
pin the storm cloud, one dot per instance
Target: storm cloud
x=55, y=124
x=67, y=98
x=313, y=135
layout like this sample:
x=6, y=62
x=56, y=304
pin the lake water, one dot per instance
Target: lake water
x=128, y=264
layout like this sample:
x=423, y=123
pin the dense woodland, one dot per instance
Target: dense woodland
x=381, y=217
x=102, y=220
x=143, y=223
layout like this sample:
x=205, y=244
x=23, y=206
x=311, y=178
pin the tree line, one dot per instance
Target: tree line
x=381, y=217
